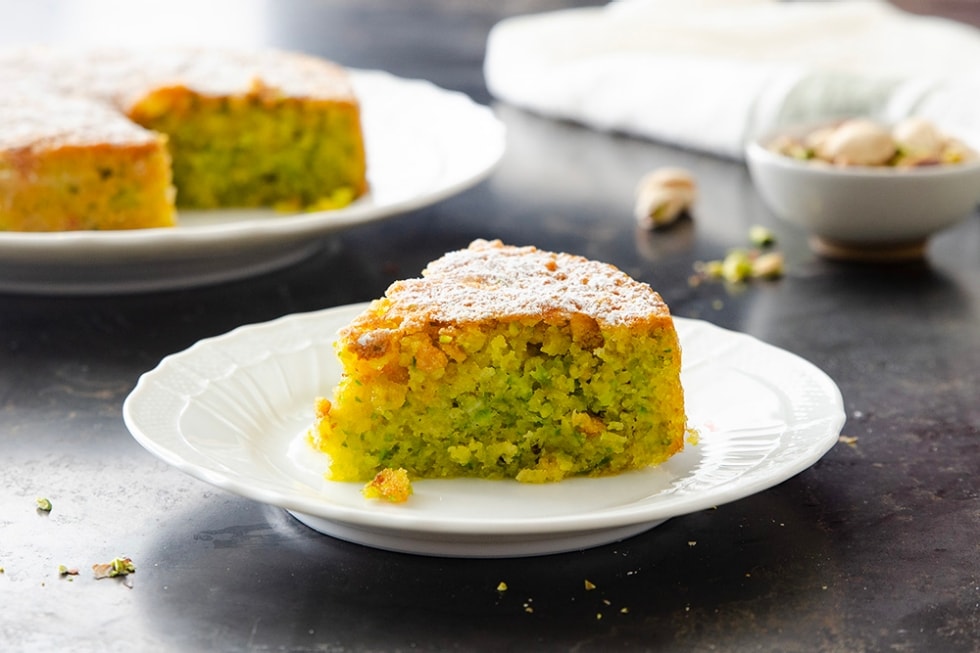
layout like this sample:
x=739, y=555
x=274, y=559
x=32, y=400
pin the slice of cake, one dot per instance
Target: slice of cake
x=69, y=163
x=506, y=362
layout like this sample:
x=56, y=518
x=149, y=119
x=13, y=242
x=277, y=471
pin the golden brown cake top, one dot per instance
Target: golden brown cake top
x=43, y=79
x=121, y=74
x=490, y=280
x=31, y=121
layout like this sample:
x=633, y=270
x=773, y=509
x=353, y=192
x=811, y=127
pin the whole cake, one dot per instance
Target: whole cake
x=506, y=362
x=100, y=139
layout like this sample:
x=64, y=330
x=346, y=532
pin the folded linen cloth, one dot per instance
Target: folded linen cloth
x=713, y=74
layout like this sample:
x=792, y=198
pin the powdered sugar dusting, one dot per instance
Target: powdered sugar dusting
x=46, y=121
x=493, y=280
x=117, y=74
x=78, y=95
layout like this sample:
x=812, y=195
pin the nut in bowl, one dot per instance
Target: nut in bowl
x=863, y=191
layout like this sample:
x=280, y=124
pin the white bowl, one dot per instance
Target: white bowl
x=868, y=213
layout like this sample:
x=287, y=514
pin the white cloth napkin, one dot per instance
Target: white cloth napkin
x=713, y=74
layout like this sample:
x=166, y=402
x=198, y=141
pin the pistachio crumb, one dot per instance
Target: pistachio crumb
x=761, y=236
x=43, y=504
x=115, y=567
x=742, y=265
x=768, y=266
x=736, y=266
x=502, y=587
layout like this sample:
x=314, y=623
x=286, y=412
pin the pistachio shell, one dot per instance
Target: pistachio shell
x=858, y=142
x=919, y=138
x=662, y=196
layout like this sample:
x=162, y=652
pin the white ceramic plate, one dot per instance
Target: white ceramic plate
x=233, y=411
x=423, y=144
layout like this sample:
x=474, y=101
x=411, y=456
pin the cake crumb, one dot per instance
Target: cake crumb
x=392, y=485
x=321, y=407
x=589, y=585
x=115, y=567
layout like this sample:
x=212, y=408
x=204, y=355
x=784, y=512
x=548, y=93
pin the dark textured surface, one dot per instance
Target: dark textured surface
x=875, y=548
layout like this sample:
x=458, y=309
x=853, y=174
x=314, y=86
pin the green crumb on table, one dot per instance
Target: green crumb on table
x=736, y=266
x=44, y=505
x=116, y=567
x=740, y=266
x=760, y=236
x=502, y=587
